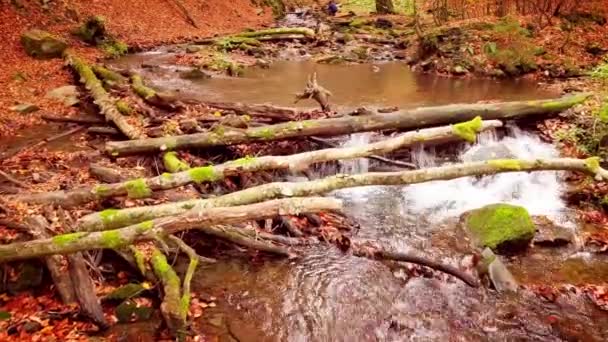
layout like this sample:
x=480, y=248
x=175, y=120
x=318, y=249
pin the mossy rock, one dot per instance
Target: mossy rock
x=128, y=311
x=93, y=30
x=41, y=44
x=127, y=291
x=501, y=227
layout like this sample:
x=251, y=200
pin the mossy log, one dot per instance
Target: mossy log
x=250, y=164
x=170, y=307
x=256, y=110
x=267, y=34
x=404, y=119
x=119, y=218
x=197, y=218
x=101, y=98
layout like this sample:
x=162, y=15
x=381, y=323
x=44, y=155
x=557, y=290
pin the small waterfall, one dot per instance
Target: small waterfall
x=356, y=165
x=539, y=192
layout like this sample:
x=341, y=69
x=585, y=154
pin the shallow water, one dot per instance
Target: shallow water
x=387, y=84
x=325, y=295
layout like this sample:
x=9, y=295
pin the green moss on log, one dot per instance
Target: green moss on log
x=112, y=239
x=262, y=133
x=66, y=239
x=468, y=130
x=247, y=160
x=164, y=271
x=101, y=190
x=140, y=259
x=506, y=164
x=145, y=226
x=184, y=306
x=123, y=107
x=109, y=75
x=204, y=174
x=140, y=89
x=565, y=103
x=109, y=216
x=173, y=163
x=592, y=164
x=500, y=226
x=138, y=188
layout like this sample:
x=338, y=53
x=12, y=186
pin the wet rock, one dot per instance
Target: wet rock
x=499, y=274
x=388, y=110
x=549, y=234
x=194, y=74
x=193, y=48
x=41, y=44
x=31, y=327
x=25, y=108
x=126, y=291
x=66, y=94
x=482, y=153
x=459, y=70
x=501, y=227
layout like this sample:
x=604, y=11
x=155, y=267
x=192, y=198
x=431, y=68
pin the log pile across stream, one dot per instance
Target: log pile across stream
x=135, y=111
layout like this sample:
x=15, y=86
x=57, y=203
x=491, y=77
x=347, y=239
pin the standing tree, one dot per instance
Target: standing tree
x=385, y=7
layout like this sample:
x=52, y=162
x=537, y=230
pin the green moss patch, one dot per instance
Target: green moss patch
x=468, y=130
x=137, y=188
x=66, y=239
x=112, y=239
x=506, y=164
x=204, y=174
x=500, y=226
x=173, y=163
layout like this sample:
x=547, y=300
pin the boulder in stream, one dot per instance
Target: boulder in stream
x=41, y=44
x=501, y=227
x=482, y=153
x=499, y=274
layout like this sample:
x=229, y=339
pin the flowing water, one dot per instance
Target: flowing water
x=325, y=295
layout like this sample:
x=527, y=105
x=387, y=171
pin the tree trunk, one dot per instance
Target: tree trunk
x=385, y=7
x=405, y=119
x=298, y=161
x=119, y=218
x=198, y=218
x=102, y=99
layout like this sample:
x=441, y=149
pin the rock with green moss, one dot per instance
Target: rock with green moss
x=41, y=44
x=127, y=291
x=93, y=30
x=114, y=48
x=501, y=227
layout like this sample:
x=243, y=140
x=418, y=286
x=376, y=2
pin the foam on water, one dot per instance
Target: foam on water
x=539, y=192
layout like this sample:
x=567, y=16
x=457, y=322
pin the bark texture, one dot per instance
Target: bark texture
x=404, y=119
x=101, y=98
x=120, y=218
x=294, y=162
x=197, y=218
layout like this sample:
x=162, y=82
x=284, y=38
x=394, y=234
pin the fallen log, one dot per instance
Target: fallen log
x=101, y=98
x=78, y=120
x=403, y=119
x=256, y=110
x=119, y=218
x=197, y=218
x=298, y=161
